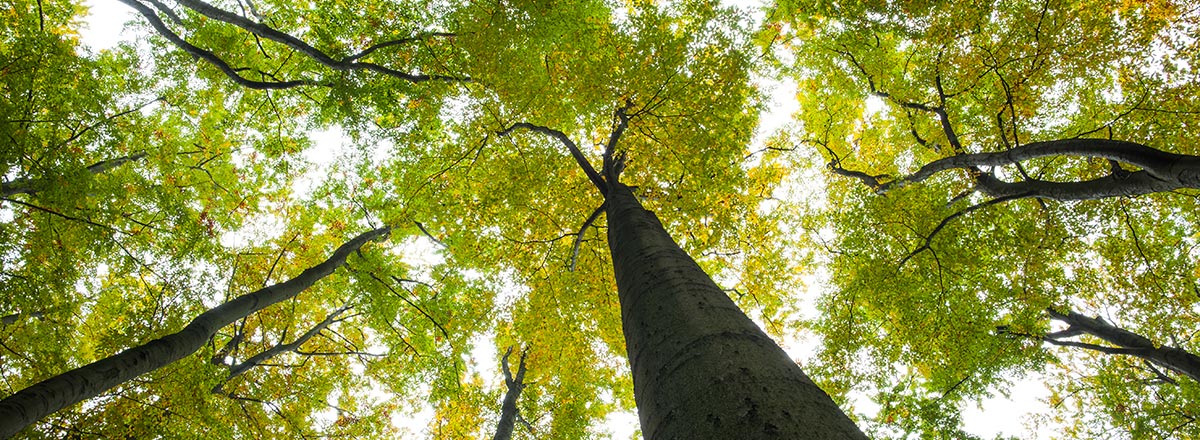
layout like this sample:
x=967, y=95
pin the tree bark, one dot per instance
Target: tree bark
x=1160, y=171
x=1176, y=359
x=39, y=400
x=701, y=367
x=508, y=409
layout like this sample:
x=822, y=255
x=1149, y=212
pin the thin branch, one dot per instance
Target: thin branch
x=414, y=305
x=206, y=55
x=579, y=236
x=67, y=217
x=571, y=147
x=261, y=357
x=296, y=44
x=398, y=42
x=278, y=257
x=430, y=236
x=949, y=218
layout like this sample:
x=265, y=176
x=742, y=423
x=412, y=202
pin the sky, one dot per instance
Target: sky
x=999, y=415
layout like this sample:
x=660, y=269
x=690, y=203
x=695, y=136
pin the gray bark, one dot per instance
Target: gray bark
x=1159, y=171
x=1126, y=342
x=508, y=409
x=39, y=400
x=701, y=367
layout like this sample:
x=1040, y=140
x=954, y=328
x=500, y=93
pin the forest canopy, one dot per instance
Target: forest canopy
x=275, y=219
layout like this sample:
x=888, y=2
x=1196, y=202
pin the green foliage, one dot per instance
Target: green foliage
x=221, y=198
x=224, y=189
x=923, y=276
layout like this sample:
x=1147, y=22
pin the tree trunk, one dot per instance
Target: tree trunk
x=35, y=402
x=508, y=409
x=701, y=367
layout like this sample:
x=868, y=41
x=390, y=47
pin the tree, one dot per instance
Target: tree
x=32, y=403
x=682, y=331
x=700, y=366
x=1000, y=152
x=265, y=76
x=514, y=384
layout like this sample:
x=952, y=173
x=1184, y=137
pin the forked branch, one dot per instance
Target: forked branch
x=258, y=359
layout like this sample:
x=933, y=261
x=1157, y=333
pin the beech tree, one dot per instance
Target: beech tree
x=217, y=68
x=1016, y=158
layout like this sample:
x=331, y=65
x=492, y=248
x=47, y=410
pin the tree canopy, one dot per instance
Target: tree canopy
x=970, y=195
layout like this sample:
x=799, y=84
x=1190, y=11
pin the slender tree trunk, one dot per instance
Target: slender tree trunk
x=508, y=409
x=35, y=402
x=701, y=368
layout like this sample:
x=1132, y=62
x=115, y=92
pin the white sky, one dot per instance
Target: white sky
x=999, y=415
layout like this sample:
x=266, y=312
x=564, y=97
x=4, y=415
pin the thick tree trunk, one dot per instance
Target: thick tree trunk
x=31, y=404
x=701, y=368
x=508, y=409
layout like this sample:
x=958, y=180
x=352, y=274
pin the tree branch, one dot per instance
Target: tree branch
x=26, y=185
x=410, y=303
x=508, y=409
x=571, y=147
x=1126, y=342
x=430, y=236
x=579, y=236
x=206, y=55
x=946, y=221
x=258, y=359
x=298, y=45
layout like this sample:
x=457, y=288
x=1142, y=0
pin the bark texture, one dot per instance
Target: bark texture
x=1126, y=342
x=701, y=368
x=39, y=400
x=508, y=409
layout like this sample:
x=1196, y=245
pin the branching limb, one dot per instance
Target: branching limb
x=579, y=236
x=613, y=166
x=1125, y=342
x=951, y=217
x=515, y=384
x=300, y=46
x=209, y=56
x=1158, y=374
x=571, y=147
x=1161, y=171
x=261, y=357
x=397, y=42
